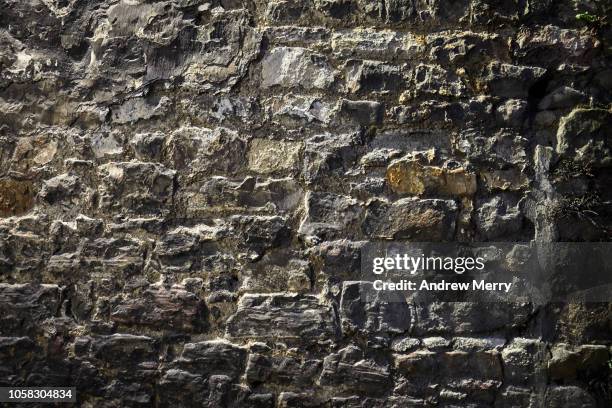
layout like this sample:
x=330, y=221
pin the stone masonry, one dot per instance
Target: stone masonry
x=185, y=187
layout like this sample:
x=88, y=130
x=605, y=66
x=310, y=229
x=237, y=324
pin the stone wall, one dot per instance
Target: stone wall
x=185, y=187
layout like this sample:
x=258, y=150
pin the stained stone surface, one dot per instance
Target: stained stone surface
x=185, y=187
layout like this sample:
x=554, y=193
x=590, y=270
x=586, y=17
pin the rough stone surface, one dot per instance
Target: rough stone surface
x=411, y=177
x=412, y=218
x=269, y=156
x=186, y=187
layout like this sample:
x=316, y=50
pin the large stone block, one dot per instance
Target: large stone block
x=468, y=317
x=339, y=259
x=373, y=76
x=502, y=148
x=409, y=176
x=135, y=187
x=219, y=194
x=369, y=43
x=213, y=357
x=207, y=377
x=294, y=67
x=122, y=350
x=348, y=369
x=512, y=81
x=371, y=316
x=289, y=399
x=295, y=318
x=436, y=13
x=512, y=396
x=482, y=364
x=160, y=308
x=329, y=215
x=551, y=44
x=498, y=217
x=16, y=196
x=435, y=80
x=23, y=307
x=277, y=271
x=411, y=218
x=15, y=354
x=270, y=156
x=583, y=136
x=258, y=233
x=282, y=370
x=568, y=397
x=328, y=156
x=364, y=113
x=567, y=362
x=524, y=361
x=197, y=151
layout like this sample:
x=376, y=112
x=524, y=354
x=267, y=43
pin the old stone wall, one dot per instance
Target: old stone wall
x=185, y=186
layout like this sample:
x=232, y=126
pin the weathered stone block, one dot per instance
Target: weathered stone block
x=484, y=365
x=159, y=307
x=364, y=113
x=369, y=43
x=372, y=316
x=294, y=67
x=213, y=357
x=568, y=397
x=503, y=147
x=290, y=399
x=284, y=11
x=295, y=111
x=424, y=220
x=341, y=258
x=283, y=317
x=550, y=44
x=257, y=233
x=23, y=307
x=63, y=189
x=583, y=137
x=421, y=364
x=270, y=156
x=497, y=218
x=328, y=155
x=329, y=215
x=373, y=76
x=512, y=396
x=348, y=369
x=505, y=180
x=409, y=176
x=511, y=113
x=468, y=317
x=512, y=81
x=567, y=362
x=16, y=197
x=220, y=194
x=413, y=141
x=277, y=271
x=124, y=349
x=148, y=146
x=435, y=80
x=112, y=257
x=284, y=370
x=144, y=188
x=15, y=353
x=477, y=344
x=195, y=151
x=562, y=98
x=524, y=361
